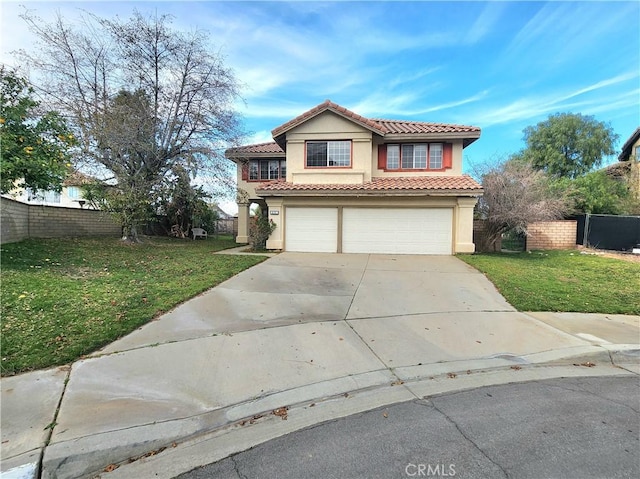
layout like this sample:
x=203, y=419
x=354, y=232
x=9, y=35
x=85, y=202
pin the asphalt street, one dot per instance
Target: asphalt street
x=559, y=428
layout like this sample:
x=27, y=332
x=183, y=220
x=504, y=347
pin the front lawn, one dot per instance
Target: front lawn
x=64, y=298
x=562, y=281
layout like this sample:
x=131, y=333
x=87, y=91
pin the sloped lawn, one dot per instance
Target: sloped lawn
x=562, y=281
x=64, y=298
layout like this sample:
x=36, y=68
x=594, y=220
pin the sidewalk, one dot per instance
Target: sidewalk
x=177, y=391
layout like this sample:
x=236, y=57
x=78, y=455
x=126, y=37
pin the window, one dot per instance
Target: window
x=328, y=153
x=253, y=170
x=435, y=156
x=73, y=192
x=51, y=196
x=414, y=157
x=408, y=156
x=265, y=170
x=393, y=157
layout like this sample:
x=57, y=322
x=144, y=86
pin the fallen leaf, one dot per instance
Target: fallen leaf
x=281, y=412
x=451, y=375
x=468, y=371
x=111, y=467
x=397, y=383
x=385, y=414
x=479, y=342
x=340, y=339
x=516, y=368
x=588, y=364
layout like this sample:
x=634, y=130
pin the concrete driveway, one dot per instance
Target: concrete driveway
x=294, y=330
x=294, y=288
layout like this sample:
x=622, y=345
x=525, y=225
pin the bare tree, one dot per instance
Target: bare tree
x=142, y=97
x=515, y=195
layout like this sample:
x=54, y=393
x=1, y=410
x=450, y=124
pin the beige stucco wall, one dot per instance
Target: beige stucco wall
x=329, y=126
x=462, y=213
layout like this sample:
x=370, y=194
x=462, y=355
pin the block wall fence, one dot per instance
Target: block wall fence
x=20, y=221
x=559, y=234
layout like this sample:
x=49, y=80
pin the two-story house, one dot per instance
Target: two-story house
x=335, y=181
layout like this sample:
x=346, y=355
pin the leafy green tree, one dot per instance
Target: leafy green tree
x=568, y=145
x=599, y=193
x=35, y=148
x=184, y=204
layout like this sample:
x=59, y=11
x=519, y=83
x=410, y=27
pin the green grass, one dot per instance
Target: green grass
x=562, y=281
x=64, y=298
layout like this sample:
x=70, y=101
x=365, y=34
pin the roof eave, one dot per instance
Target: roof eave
x=369, y=193
x=467, y=137
x=625, y=154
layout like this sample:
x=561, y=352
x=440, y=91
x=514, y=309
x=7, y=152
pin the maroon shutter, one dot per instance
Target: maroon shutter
x=382, y=157
x=245, y=171
x=447, y=155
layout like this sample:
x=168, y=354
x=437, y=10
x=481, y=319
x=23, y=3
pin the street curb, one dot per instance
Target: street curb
x=127, y=450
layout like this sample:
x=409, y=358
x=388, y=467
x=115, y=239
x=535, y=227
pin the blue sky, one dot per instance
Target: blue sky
x=501, y=66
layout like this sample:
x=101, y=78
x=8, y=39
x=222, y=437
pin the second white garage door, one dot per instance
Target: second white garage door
x=311, y=230
x=397, y=231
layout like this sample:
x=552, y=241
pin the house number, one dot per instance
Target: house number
x=274, y=213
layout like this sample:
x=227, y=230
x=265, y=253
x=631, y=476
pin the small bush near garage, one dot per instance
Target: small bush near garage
x=562, y=281
x=64, y=298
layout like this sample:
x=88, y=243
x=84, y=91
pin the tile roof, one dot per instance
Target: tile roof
x=329, y=105
x=269, y=147
x=384, y=184
x=403, y=126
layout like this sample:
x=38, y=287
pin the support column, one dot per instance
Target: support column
x=464, y=225
x=243, y=223
x=276, y=215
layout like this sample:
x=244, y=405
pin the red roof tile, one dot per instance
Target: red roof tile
x=270, y=147
x=329, y=105
x=414, y=183
x=403, y=126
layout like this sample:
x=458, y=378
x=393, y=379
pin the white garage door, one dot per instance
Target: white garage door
x=397, y=231
x=311, y=230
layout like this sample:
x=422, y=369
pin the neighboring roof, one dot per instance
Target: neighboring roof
x=76, y=178
x=270, y=147
x=328, y=105
x=626, y=148
x=398, y=185
x=222, y=214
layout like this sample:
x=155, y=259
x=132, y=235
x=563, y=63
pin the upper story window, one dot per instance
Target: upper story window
x=417, y=156
x=73, y=192
x=266, y=170
x=328, y=154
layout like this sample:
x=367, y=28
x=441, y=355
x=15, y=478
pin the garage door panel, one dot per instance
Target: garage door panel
x=397, y=231
x=311, y=230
